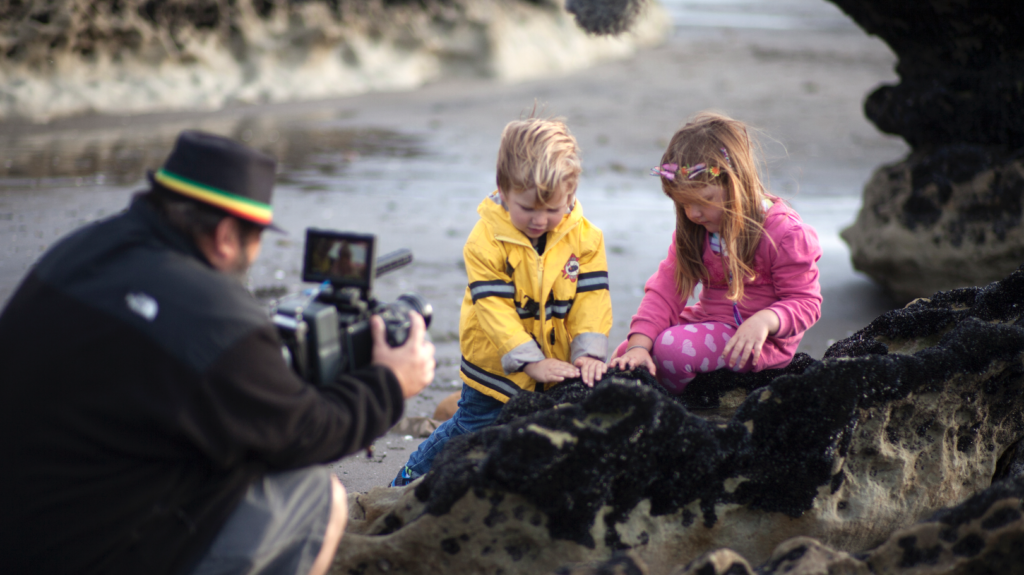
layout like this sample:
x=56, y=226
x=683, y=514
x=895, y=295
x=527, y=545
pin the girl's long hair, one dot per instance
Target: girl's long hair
x=702, y=140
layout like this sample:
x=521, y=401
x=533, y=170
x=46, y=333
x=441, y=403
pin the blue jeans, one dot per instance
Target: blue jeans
x=476, y=411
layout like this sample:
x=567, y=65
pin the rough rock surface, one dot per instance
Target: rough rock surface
x=66, y=57
x=940, y=220
x=949, y=214
x=985, y=534
x=918, y=411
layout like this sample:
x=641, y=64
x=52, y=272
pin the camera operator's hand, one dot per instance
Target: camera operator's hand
x=412, y=363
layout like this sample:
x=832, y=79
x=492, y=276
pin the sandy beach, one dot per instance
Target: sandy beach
x=412, y=166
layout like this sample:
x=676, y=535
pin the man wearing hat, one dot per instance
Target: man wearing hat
x=150, y=422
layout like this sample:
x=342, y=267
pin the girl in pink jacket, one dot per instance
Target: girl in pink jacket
x=755, y=259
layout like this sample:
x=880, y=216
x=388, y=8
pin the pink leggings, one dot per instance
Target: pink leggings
x=682, y=351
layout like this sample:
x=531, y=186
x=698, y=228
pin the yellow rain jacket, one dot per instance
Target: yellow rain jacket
x=521, y=307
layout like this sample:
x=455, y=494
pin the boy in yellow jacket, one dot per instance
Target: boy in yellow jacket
x=537, y=309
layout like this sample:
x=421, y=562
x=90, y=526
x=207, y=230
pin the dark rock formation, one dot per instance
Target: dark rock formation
x=604, y=16
x=918, y=411
x=949, y=215
x=960, y=71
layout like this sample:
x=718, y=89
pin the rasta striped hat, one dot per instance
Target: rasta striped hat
x=222, y=173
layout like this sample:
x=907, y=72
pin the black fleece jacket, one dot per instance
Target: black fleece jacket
x=141, y=391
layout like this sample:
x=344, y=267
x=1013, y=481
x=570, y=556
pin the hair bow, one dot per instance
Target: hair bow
x=725, y=154
x=669, y=171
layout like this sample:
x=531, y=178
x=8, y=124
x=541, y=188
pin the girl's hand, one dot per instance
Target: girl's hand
x=633, y=358
x=551, y=370
x=749, y=338
x=591, y=370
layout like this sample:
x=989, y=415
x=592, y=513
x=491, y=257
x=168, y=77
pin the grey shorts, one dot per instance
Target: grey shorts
x=277, y=528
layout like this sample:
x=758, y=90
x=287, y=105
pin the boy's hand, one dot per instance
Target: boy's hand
x=749, y=338
x=633, y=358
x=591, y=370
x=551, y=370
x=413, y=362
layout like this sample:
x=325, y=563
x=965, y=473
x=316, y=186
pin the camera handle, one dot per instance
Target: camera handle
x=391, y=261
x=301, y=329
x=347, y=299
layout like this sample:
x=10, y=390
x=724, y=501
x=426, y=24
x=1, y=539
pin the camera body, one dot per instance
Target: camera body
x=326, y=329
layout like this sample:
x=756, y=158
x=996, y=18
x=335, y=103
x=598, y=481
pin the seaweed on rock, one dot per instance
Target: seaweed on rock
x=631, y=442
x=924, y=318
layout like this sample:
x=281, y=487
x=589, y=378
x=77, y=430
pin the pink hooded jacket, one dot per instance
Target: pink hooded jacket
x=786, y=282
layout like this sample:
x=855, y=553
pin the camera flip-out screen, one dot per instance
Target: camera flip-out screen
x=345, y=259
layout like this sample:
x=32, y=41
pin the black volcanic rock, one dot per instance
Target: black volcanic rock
x=961, y=65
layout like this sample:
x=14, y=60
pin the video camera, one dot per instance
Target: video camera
x=326, y=330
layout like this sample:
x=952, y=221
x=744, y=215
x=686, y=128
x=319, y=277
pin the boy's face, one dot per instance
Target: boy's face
x=532, y=217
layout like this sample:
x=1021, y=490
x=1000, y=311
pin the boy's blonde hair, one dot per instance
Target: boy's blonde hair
x=725, y=147
x=538, y=153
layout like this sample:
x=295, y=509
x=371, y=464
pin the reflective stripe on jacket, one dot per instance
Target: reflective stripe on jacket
x=558, y=301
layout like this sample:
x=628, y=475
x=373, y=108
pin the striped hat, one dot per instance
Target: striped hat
x=222, y=173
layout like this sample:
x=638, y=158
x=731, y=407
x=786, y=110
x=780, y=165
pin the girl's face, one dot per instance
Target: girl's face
x=707, y=213
x=532, y=217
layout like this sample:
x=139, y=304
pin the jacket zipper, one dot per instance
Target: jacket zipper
x=544, y=345
x=543, y=308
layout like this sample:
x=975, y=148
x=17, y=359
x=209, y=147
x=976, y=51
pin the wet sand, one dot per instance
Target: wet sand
x=411, y=167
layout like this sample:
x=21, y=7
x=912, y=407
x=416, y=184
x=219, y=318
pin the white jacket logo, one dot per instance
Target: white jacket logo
x=143, y=305
x=571, y=269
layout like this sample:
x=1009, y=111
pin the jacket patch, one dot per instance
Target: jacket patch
x=142, y=304
x=572, y=269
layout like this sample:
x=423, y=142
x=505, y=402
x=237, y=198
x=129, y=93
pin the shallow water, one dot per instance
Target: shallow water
x=758, y=14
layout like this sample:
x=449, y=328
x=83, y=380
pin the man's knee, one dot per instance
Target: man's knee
x=335, y=527
x=339, y=502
